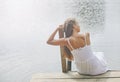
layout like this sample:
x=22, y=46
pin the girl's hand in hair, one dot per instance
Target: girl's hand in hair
x=60, y=27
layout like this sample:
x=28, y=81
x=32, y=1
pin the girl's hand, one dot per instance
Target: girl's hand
x=60, y=27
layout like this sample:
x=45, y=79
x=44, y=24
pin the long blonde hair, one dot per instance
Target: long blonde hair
x=68, y=29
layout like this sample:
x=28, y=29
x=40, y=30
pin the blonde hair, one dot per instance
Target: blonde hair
x=68, y=26
x=68, y=29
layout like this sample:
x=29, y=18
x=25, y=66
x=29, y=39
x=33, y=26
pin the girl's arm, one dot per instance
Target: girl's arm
x=52, y=41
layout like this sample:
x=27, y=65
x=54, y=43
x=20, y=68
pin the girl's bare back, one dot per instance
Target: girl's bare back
x=78, y=41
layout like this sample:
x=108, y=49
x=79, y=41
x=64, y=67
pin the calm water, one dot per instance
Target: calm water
x=25, y=25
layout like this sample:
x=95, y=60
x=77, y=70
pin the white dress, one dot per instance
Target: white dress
x=88, y=62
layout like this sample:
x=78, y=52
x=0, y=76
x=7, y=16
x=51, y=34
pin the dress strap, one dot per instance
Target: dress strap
x=69, y=43
x=85, y=39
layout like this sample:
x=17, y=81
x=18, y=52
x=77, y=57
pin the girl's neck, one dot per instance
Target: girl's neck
x=75, y=32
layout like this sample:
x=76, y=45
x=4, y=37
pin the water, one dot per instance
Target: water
x=25, y=25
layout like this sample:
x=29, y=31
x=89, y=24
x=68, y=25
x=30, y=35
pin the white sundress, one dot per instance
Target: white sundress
x=87, y=61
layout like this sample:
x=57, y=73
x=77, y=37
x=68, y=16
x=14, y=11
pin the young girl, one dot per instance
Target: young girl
x=78, y=48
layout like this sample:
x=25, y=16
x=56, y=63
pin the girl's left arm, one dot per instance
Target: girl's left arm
x=52, y=41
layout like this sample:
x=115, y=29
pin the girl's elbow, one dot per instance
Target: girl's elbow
x=51, y=43
x=48, y=42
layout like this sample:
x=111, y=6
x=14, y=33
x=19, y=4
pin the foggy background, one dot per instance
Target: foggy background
x=25, y=26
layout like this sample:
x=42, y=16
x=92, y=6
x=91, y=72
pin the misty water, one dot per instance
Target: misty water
x=25, y=26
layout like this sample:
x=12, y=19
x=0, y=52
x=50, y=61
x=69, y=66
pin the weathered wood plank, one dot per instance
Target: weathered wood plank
x=69, y=65
x=66, y=65
x=63, y=60
x=77, y=80
x=75, y=75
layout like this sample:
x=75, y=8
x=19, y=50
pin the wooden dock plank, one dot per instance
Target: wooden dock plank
x=63, y=60
x=77, y=80
x=109, y=74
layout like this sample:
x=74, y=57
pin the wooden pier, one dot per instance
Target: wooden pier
x=110, y=76
x=71, y=76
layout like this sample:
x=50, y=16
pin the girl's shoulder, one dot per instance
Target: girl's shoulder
x=79, y=36
x=84, y=34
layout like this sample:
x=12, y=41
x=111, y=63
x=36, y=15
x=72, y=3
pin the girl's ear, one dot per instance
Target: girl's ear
x=74, y=25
